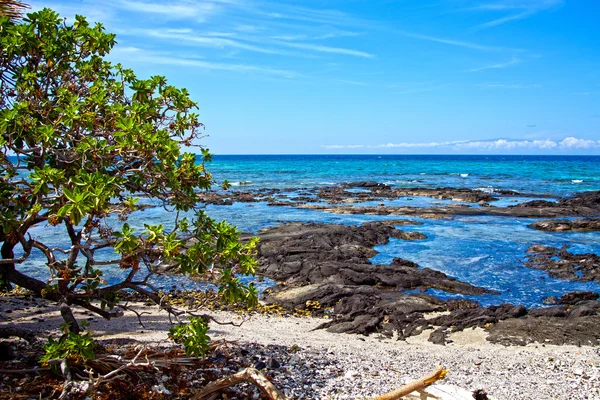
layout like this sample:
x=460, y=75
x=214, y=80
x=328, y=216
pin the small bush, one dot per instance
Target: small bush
x=193, y=336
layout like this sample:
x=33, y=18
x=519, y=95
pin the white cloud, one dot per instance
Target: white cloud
x=356, y=83
x=517, y=9
x=90, y=10
x=452, y=42
x=178, y=10
x=204, y=40
x=417, y=145
x=500, y=145
x=504, y=5
x=225, y=39
x=504, y=144
x=574, y=143
x=343, y=146
x=509, y=85
x=503, y=65
x=327, y=49
x=141, y=55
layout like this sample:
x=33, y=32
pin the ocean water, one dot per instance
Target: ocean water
x=482, y=250
x=556, y=175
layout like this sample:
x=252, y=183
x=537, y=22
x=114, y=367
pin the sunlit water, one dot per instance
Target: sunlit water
x=484, y=251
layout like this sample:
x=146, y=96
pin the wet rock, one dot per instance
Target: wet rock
x=583, y=199
x=556, y=312
x=550, y=300
x=590, y=224
x=366, y=184
x=410, y=236
x=330, y=264
x=561, y=263
x=303, y=254
x=400, y=262
x=577, y=297
x=535, y=204
x=457, y=209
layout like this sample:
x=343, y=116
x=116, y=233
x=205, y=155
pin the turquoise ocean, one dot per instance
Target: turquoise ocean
x=482, y=250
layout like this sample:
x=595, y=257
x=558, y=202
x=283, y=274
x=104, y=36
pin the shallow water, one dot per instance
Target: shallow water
x=481, y=250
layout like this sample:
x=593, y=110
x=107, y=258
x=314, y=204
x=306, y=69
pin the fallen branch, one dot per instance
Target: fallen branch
x=414, y=386
x=114, y=374
x=247, y=375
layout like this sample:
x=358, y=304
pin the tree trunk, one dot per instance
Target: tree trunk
x=67, y=314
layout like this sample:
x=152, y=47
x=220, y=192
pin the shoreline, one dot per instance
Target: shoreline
x=320, y=364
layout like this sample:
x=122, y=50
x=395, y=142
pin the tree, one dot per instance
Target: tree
x=82, y=141
x=12, y=9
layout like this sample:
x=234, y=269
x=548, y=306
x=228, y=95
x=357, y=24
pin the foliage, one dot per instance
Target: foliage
x=83, y=140
x=192, y=335
x=12, y=9
x=75, y=348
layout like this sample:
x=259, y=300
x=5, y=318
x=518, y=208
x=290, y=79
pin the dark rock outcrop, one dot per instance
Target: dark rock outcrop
x=329, y=264
x=562, y=264
x=563, y=225
x=305, y=254
x=583, y=199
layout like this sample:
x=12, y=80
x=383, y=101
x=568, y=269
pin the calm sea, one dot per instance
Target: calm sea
x=532, y=174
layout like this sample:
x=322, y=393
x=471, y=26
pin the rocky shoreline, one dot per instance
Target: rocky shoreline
x=345, y=198
x=309, y=363
x=370, y=320
x=326, y=269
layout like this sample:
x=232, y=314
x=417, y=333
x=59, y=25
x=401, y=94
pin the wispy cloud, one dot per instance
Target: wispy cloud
x=344, y=146
x=421, y=88
x=453, y=42
x=140, y=55
x=305, y=14
x=516, y=9
x=405, y=145
x=503, y=65
x=508, y=85
x=326, y=49
x=214, y=40
x=199, y=11
x=566, y=144
x=91, y=10
x=355, y=83
x=228, y=39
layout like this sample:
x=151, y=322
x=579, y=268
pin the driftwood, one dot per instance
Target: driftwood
x=247, y=375
x=259, y=379
x=415, y=386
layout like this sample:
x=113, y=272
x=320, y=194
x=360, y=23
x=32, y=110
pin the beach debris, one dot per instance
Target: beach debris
x=259, y=379
x=247, y=375
x=416, y=386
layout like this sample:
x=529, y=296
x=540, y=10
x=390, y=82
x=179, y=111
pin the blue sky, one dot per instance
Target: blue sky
x=419, y=76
